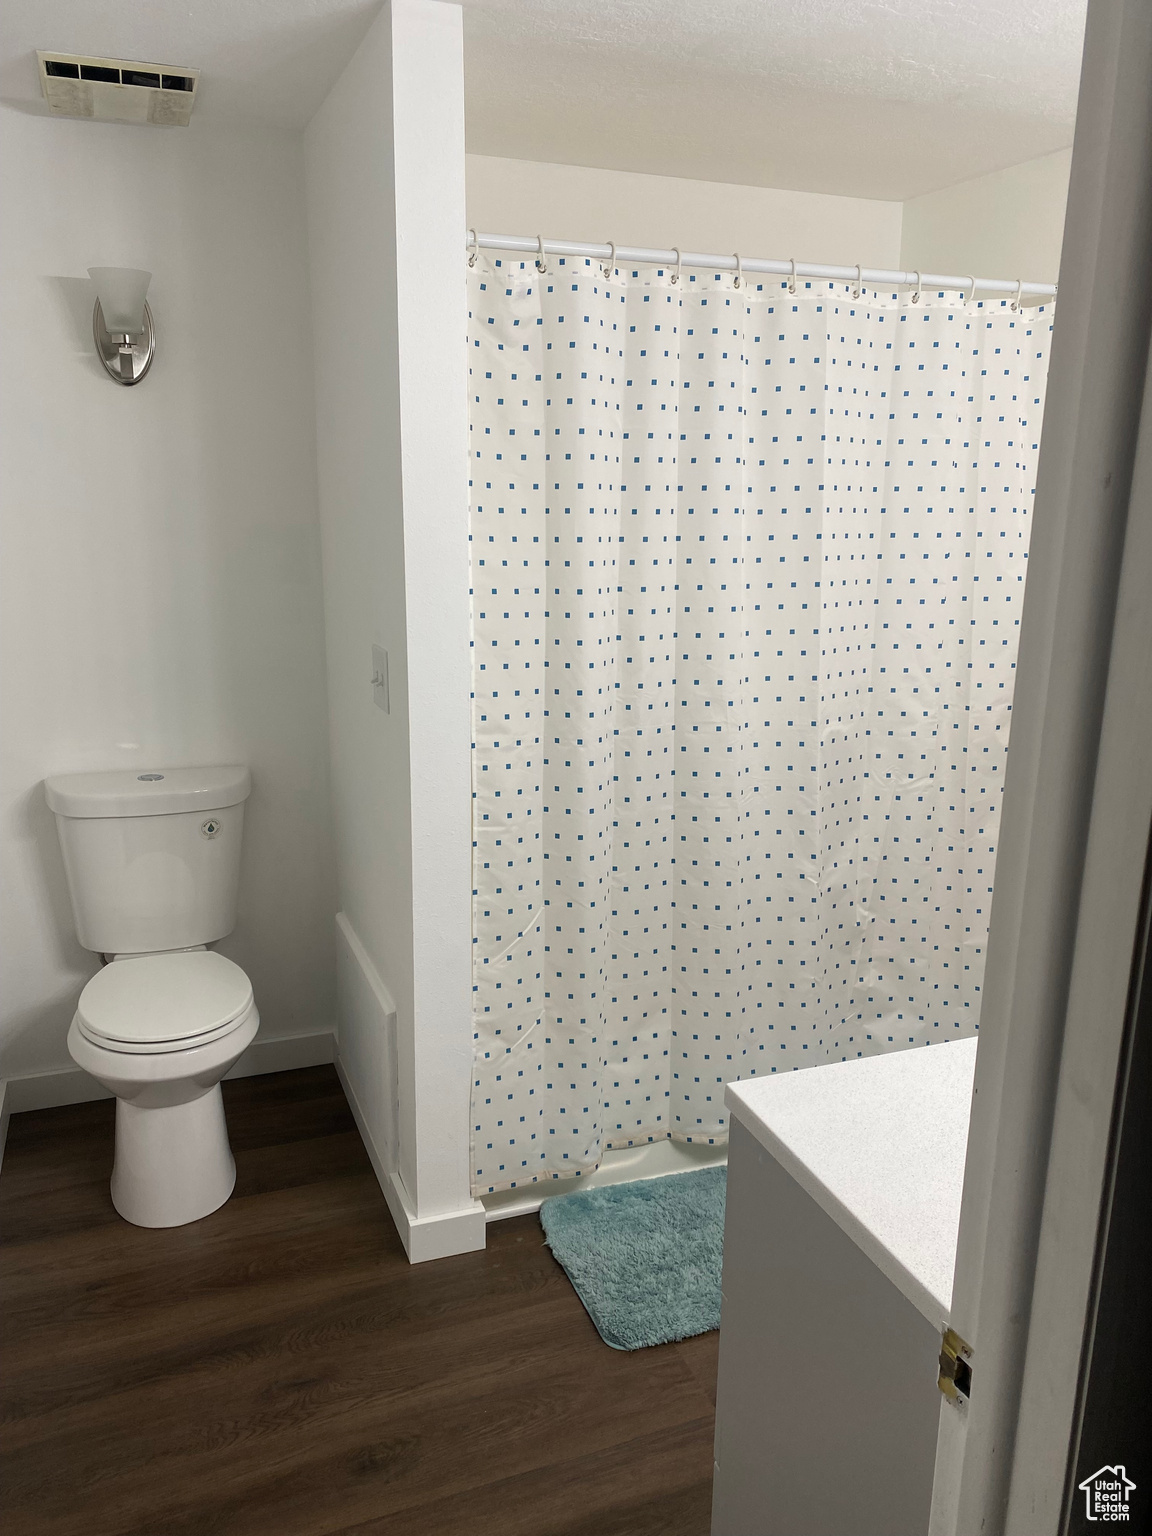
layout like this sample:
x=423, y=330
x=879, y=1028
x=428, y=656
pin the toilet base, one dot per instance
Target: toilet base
x=173, y=1163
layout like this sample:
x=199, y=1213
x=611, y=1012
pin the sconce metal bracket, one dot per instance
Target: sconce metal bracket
x=127, y=359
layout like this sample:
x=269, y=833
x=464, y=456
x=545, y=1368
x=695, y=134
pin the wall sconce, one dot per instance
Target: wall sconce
x=122, y=322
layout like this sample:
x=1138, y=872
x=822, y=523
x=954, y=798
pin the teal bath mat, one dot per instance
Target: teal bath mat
x=644, y=1258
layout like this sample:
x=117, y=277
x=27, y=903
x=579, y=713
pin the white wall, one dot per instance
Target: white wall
x=385, y=187
x=573, y=202
x=161, y=598
x=1007, y=224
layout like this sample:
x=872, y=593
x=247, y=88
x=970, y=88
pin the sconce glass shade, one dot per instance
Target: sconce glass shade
x=121, y=291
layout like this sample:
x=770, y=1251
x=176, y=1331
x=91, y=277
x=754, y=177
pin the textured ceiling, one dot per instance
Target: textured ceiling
x=854, y=96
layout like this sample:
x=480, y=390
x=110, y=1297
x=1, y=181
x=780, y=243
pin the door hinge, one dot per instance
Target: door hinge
x=955, y=1378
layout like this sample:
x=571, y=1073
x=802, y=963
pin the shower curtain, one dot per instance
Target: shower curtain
x=747, y=570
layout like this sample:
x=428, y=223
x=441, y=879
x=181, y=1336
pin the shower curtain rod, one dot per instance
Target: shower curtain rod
x=875, y=276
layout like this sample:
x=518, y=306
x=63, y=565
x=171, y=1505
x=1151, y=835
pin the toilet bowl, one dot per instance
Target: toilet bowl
x=153, y=865
x=160, y=1031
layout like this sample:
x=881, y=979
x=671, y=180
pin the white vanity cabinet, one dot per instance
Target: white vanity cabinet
x=844, y=1187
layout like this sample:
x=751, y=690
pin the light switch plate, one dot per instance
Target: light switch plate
x=380, y=677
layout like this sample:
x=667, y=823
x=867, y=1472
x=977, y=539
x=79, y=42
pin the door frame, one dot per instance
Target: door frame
x=1075, y=823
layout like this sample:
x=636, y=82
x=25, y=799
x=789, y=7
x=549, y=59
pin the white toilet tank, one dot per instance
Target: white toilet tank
x=153, y=858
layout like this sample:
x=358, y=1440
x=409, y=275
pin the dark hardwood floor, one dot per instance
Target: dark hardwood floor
x=279, y=1369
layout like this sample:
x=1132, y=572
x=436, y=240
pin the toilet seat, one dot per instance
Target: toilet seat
x=154, y=1004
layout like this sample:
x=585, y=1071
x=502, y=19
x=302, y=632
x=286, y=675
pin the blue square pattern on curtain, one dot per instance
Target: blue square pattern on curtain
x=747, y=571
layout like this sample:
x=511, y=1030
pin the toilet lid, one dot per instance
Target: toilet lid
x=159, y=999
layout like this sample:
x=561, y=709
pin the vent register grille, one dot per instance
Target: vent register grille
x=117, y=90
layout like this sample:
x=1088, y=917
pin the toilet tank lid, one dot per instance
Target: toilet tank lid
x=147, y=791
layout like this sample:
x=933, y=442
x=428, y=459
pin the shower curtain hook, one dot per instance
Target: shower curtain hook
x=541, y=259
x=738, y=282
x=971, y=290
x=916, y=291
x=859, y=281
x=1018, y=300
x=792, y=279
x=611, y=267
x=473, y=247
x=678, y=275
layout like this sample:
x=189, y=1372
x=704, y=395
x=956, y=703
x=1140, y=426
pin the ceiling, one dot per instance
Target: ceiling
x=873, y=98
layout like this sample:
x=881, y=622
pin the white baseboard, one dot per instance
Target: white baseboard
x=424, y=1237
x=49, y=1090
x=287, y=1054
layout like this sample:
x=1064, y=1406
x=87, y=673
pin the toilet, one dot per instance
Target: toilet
x=153, y=866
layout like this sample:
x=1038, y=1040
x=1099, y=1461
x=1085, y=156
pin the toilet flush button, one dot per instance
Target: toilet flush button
x=149, y=778
x=210, y=827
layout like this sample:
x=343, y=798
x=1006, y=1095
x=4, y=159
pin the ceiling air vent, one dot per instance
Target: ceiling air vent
x=117, y=90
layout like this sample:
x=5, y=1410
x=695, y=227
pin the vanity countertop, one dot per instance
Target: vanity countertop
x=879, y=1143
